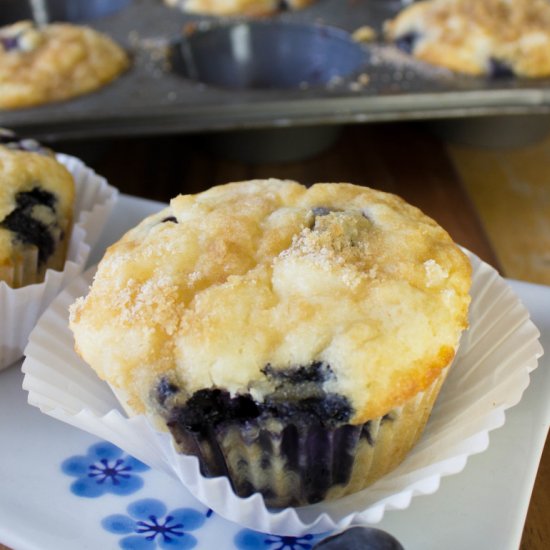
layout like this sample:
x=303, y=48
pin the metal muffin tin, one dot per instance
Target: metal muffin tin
x=299, y=68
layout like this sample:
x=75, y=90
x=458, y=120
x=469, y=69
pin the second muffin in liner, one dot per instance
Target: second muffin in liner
x=21, y=307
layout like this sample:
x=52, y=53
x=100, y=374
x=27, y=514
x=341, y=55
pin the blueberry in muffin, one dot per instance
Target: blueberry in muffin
x=36, y=205
x=293, y=339
x=498, y=38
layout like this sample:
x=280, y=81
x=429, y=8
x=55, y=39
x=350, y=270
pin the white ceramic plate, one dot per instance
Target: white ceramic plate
x=486, y=506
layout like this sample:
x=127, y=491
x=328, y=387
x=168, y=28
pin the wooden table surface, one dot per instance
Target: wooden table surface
x=405, y=159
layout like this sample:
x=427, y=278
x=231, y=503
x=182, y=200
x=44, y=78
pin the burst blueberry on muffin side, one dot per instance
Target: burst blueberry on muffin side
x=36, y=202
x=498, y=38
x=293, y=339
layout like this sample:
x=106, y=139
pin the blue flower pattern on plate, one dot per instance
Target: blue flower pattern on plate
x=253, y=540
x=104, y=469
x=148, y=525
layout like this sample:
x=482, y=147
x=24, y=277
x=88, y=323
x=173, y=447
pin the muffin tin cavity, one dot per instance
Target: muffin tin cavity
x=267, y=55
x=46, y=11
x=289, y=98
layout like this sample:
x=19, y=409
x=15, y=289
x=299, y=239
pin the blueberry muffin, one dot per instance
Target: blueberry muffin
x=36, y=211
x=54, y=62
x=293, y=339
x=238, y=7
x=495, y=37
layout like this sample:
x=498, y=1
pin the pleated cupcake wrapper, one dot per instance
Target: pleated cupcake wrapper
x=489, y=375
x=20, y=308
x=295, y=463
x=23, y=270
x=27, y=269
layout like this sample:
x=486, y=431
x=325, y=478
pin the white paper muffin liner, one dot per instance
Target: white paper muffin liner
x=20, y=308
x=489, y=375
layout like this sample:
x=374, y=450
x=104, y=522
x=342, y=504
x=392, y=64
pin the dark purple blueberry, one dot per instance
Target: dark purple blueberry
x=171, y=219
x=10, y=43
x=322, y=211
x=315, y=372
x=165, y=390
x=327, y=410
x=407, y=42
x=345, y=439
x=35, y=197
x=290, y=447
x=360, y=538
x=500, y=69
x=282, y=5
x=314, y=444
x=299, y=395
x=27, y=229
x=318, y=477
x=208, y=408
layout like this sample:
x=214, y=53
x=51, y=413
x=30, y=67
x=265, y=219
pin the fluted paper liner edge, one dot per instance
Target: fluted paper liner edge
x=489, y=375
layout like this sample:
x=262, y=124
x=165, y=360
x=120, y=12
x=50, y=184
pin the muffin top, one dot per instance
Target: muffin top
x=267, y=286
x=36, y=197
x=495, y=37
x=54, y=62
x=238, y=7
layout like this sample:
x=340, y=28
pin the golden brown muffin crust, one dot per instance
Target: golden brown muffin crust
x=55, y=62
x=220, y=284
x=465, y=35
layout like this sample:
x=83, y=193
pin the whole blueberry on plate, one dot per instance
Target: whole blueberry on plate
x=360, y=538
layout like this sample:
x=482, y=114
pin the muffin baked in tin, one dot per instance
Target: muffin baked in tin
x=494, y=37
x=292, y=339
x=238, y=7
x=54, y=62
x=36, y=210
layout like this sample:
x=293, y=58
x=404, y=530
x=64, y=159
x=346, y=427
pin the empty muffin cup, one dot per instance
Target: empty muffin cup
x=267, y=55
